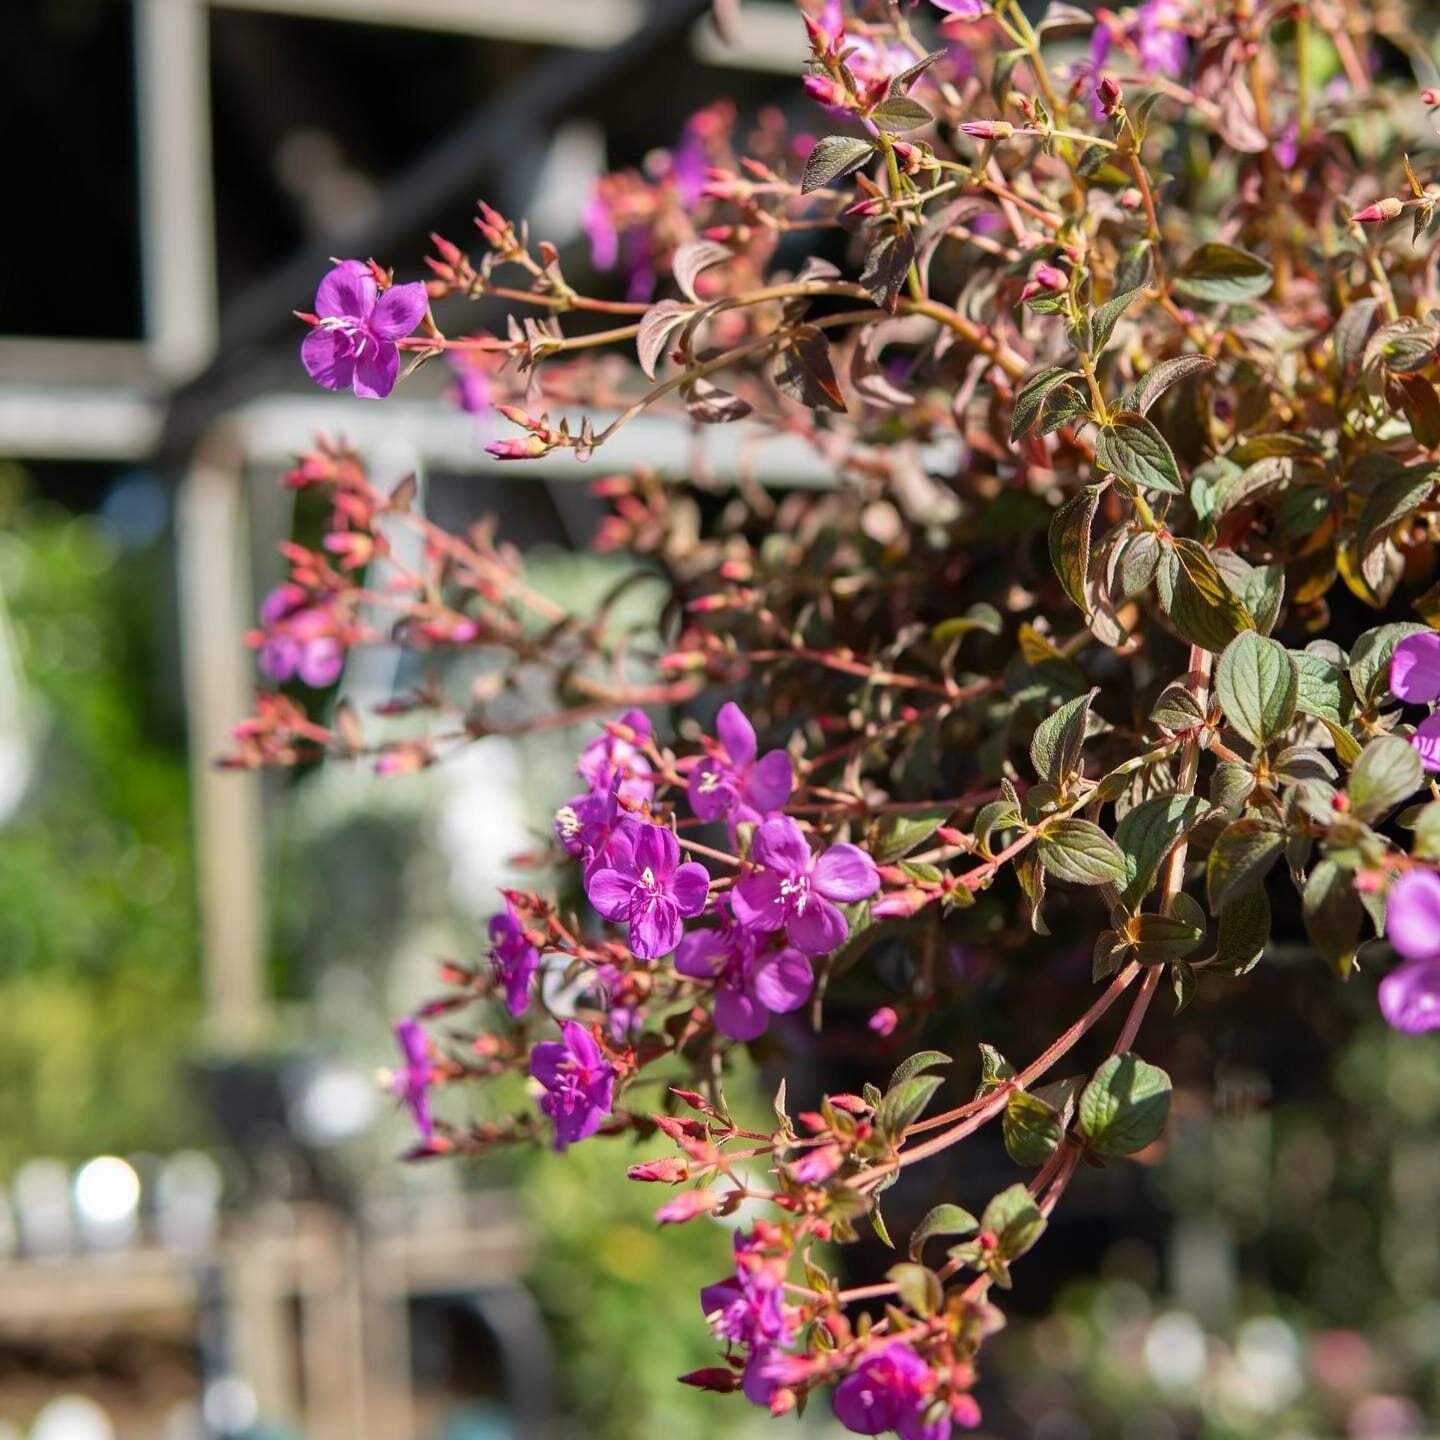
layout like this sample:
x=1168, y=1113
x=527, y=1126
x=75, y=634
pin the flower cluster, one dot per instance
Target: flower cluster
x=1045, y=686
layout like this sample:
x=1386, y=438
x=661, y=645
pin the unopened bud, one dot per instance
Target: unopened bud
x=1386, y=209
x=1107, y=92
x=987, y=129
x=1430, y=97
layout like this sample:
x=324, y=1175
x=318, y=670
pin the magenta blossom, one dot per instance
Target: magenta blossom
x=730, y=781
x=1412, y=915
x=412, y=1083
x=798, y=891
x=645, y=887
x=586, y=824
x=514, y=957
x=353, y=342
x=748, y=1309
x=1415, y=678
x=299, y=640
x=579, y=1083
x=750, y=984
x=1162, y=43
x=890, y=1390
x=1410, y=997
x=609, y=756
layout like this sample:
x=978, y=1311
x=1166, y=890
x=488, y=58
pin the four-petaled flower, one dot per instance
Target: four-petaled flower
x=643, y=885
x=731, y=782
x=750, y=983
x=890, y=1390
x=579, y=1083
x=798, y=891
x=352, y=344
x=514, y=957
x=300, y=639
x=1410, y=994
x=1415, y=678
x=748, y=1309
x=411, y=1083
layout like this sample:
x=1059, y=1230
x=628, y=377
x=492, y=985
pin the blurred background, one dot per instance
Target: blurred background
x=203, y=1230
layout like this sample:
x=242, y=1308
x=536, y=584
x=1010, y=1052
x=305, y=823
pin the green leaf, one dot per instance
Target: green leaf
x=1257, y=682
x=1162, y=938
x=1132, y=448
x=1015, y=1220
x=832, y=157
x=1031, y=396
x=1392, y=501
x=897, y=835
x=942, y=1220
x=1167, y=373
x=1333, y=913
x=1201, y=606
x=1244, y=933
x=1070, y=542
x=1103, y=321
x=1080, y=852
x=979, y=616
x=1222, y=274
x=1241, y=858
x=1370, y=660
x=918, y=1287
x=915, y=1064
x=1388, y=772
x=900, y=113
x=1056, y=744
x=1146, y=834
x=995, y=1070
x=903, y=1104
x=1032, y=1129
x=1325, y=691
x=1124, y=1106
x=1062, y=406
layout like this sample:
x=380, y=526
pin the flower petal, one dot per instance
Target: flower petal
x=657, y=851
x=1426, y=741
x=783, y=982
x=711, y=789
x=736, y=734
x=1412, y=915
x=781, y=845
x=329, y=359
x=755, y=901
x=691, y=888
x=609, y=892
x=768, y=785
x=702, y=955
x=738, y=1016
x=398, y=311
x=545, y=1061
x=818, y=929
x=321, y=661
x=1415, y=668
x=847, y=874
x=655, y=930
x=376, y=368
x=1410, y=997
x=348, y=290
x=580, y=1044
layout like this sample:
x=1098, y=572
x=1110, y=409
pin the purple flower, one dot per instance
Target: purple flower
x=731, y=781
x=608, y=756
x=353, y=341
x=514, y=957
x=1412, y=915
x=1415, y=668
x=585, y=825
x=889, y=1390
x=579, y=1083
x=1160, y=39
x=645, y=887
x=749, y=984
x=965, y=9
x=300, y=641
x=798, y=890
x=412, y=1083
x=689, y=160
x=748, y=1309
x=599, y=226
x=1410, y=997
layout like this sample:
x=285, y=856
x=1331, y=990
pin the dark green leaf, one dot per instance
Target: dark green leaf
x=1031, y=395
x=903, y=1104
x=1132, y=448
x=896, y=835
x=1196, y=598
x=1070, y=541
x=1167, y=373
x=1241, y=858
x=1146, y=834
x=1015, y=1220
x=1325, y=690
x=1257, y=682
x=1222, y=274
x=1370, y=660
x=1056, y=744
x=918, y=1287
x=915, y=1064
x=1333, y=913
x=1388, y=772
x=1244, y=932
x=1124, y=1106
x=1102, y=322
x=900, y=113
x=832, y=157
x=942, y=1220
x=1080, y=852
x=1032, y=1129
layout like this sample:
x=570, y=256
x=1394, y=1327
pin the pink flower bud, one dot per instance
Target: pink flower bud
x=713, y=1378
x=1386, y=209
x=884, y=1021
x=824, y=90
x=1051, y=278
x=987, y=129
x=1430, y=97
x=1107, y=92
x=530, y=448
x=669, y=1170
x=687, y=1207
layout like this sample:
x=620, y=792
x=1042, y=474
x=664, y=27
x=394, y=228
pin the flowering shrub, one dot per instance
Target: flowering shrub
x=1115, y=333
